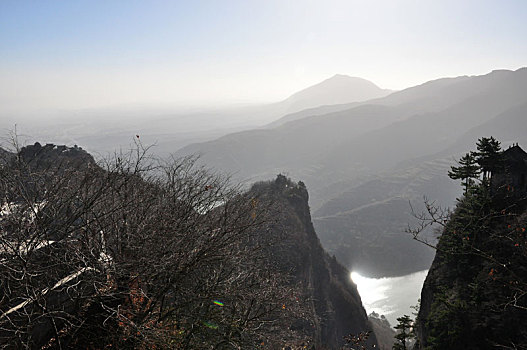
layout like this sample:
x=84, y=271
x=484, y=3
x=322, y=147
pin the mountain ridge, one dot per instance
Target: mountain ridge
x=337, y=89
x=101, y=130
x=341, y=148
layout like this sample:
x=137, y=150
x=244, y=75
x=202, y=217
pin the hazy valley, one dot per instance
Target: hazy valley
x=369, y=162
x=282, y=175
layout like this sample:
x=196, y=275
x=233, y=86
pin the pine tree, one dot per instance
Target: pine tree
x=467, y=171
x=405, y=333
x=488, y=155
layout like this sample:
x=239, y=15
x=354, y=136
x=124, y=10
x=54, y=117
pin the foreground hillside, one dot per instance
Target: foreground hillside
x=386, y=142
x=138, y=252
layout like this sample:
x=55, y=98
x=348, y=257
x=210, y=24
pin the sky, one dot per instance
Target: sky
x=84, y=54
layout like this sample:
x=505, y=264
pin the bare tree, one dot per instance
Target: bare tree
x=134, y=253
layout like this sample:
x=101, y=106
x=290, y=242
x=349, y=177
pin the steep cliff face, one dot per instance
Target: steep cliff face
x=334, y=308
x=474, y=296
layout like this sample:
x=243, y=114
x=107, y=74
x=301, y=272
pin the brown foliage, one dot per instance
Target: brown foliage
x=134, y=253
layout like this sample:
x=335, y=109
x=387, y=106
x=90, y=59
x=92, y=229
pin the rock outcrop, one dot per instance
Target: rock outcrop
x=474, y=294
x=334, y=305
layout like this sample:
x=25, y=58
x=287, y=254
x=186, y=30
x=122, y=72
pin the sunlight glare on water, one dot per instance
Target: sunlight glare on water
x=390, y=296
x=371, y=290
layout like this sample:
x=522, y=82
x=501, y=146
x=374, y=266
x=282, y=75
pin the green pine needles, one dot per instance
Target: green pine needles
x=487, y=159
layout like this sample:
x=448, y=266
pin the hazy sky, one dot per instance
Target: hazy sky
x=71, y=54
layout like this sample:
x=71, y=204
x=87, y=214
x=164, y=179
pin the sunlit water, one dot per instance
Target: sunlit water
x=390, y=296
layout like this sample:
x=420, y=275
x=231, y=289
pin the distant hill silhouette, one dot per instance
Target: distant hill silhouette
x=337, y=90
x=105, y=129
x=338, y=152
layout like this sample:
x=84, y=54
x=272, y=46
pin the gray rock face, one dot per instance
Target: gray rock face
x=335, y=308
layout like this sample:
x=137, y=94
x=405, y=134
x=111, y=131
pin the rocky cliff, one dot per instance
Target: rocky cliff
x=334, y=307
x=383, y=331
x=474, y=296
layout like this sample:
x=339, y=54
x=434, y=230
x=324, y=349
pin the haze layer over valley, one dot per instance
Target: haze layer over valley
x=103, y=130
x=365, y=163
x=368, y=155
x=263, y=174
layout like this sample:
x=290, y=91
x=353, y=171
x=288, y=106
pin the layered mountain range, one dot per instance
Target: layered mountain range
x=102, y=130
x=371, y=159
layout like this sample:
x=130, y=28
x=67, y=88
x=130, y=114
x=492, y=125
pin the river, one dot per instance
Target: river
x=390, y=296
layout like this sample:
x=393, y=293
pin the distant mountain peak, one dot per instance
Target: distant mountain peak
x=349, y=77
x=338, y=89
x=343, y=78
